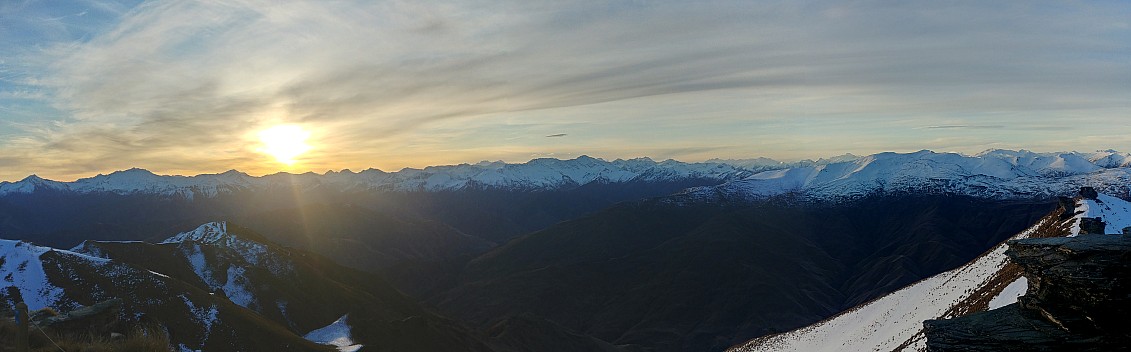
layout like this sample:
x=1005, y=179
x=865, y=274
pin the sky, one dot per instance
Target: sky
x=189, y=87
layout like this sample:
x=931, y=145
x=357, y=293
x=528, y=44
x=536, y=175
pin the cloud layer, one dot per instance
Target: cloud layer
x=184, y=87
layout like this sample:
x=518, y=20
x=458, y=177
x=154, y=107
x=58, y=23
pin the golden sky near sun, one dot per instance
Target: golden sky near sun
x=285, y=143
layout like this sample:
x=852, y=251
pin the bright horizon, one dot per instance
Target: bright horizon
x=263, y=87
x=393, y=170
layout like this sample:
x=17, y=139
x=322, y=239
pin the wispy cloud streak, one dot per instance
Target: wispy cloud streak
x=182, y=86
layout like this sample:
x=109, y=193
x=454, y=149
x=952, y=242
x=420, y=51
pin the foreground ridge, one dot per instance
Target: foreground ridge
x=894, y=322
x=1077, y=300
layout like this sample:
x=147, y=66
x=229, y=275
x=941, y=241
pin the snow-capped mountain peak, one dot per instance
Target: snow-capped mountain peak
x=209, y=233
x=998, y=174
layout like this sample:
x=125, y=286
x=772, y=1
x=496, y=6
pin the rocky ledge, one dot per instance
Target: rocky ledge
x=1079, y=299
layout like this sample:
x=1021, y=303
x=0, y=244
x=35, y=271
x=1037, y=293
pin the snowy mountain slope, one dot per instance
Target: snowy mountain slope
x=894, y=322
x=1115, y=213
x=66, y=280
x=996, y=174
x=221, y=287
x=23, y=273
x=336, y=334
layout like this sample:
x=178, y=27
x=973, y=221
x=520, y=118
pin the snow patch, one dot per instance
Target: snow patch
x=206, y=316
x=336, y=334
x=199, y=265
x=236, y=287
x=1010, y=293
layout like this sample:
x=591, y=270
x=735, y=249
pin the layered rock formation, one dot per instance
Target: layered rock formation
x=1079, y=298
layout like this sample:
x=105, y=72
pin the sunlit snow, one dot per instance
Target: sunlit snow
x=1010, y=293
x=336, y=334
x=892, y=320
x=1115, y=213
x=23, y=270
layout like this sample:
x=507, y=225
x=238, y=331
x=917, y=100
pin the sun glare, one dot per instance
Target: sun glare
x=284, y=142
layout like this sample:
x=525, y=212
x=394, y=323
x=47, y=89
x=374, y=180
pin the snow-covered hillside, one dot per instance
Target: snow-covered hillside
x=1115, y=213
x=223, y=287
x=993, y=174
x=22, y=271
x=894, y=322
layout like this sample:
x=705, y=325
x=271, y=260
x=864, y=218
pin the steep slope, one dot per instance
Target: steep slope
x=222, y=288
x=65, y=280
x=369, y=228
x=689, y=278
x=894, y=322
x=1079, y=301
x=360, y=237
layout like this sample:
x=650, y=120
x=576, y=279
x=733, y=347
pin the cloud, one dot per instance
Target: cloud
x=185, y=85
x=939, y=127
x=557, y=135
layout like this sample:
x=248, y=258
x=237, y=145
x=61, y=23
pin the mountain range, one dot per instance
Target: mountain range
x=580, y=254
x=1013, y=172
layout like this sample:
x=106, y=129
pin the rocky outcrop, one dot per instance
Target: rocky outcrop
x=1079, y=298
x=1093, y=226
x=1089, y=193
x=102, y=318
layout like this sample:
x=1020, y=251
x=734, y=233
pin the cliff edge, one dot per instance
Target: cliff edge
x=1078, y=298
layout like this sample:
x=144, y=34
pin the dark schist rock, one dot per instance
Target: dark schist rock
x=1092, y=226
x=1089, y=193
x=1078, y=299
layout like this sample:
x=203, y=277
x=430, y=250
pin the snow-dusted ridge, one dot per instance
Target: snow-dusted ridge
x=894, y=322
x=21, y=268
x=994, y=174
x=537, y=174
x=998, y=174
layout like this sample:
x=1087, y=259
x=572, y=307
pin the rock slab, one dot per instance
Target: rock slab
x=1079, y=299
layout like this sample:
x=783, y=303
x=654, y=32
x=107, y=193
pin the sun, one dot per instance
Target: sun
x=284, y=142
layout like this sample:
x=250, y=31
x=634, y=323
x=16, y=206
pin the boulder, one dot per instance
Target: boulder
x=1092, y=226
x=1089, y=193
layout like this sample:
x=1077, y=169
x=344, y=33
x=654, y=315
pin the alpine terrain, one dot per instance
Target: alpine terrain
x=567, y=255
x=894, y=322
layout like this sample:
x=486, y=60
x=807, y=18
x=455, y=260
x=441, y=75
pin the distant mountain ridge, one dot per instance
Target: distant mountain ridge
x=537, y=174
x=1001, y=174
x=993, y=174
